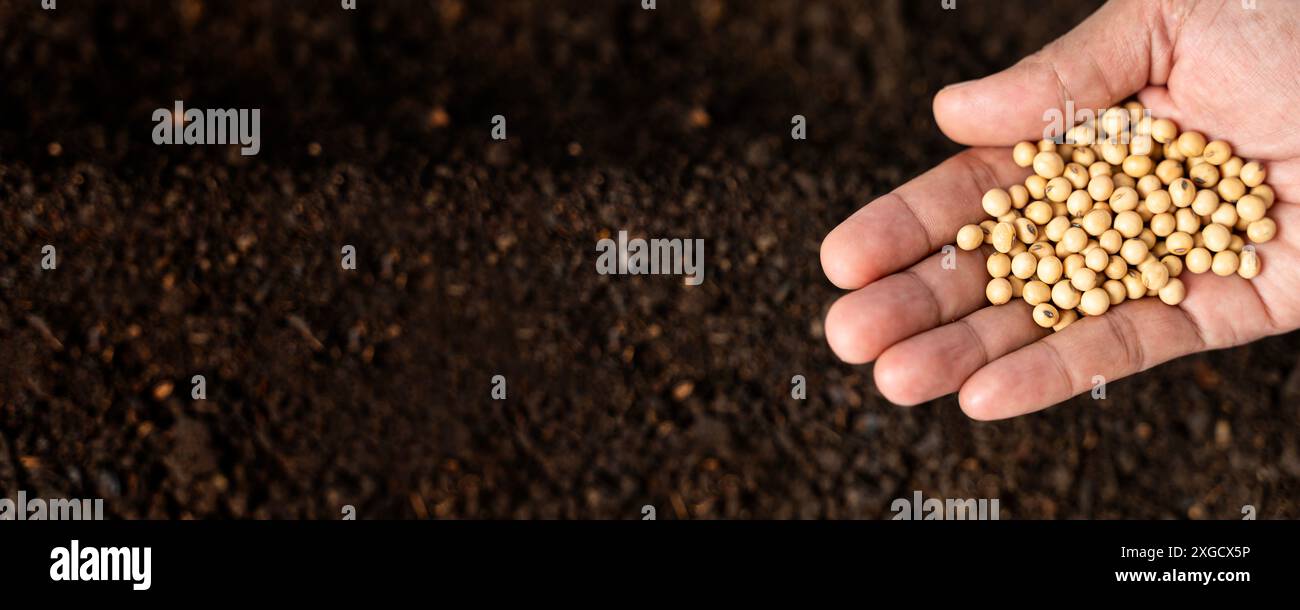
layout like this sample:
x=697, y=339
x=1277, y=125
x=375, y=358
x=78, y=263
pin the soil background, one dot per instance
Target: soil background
x=370, y=388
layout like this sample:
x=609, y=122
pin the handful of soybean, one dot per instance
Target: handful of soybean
x=1117, y=212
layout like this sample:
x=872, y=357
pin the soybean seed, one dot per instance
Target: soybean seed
x=1048, y=164
x=1191, y=144
x=998, y=291
x=1217, y=152
x=1173, y=293
x=1065, y=296
x=1036, y=291
x=1094, y=302
x=1023, y=154
x=999, y=265
x=1252, y=174
x=1024, y=265
x=1251, y=208
x=996, y=202
x=1262, y=230
x=1249, y=265
x=1045, y=315
x=1225, y=263
x=970, y=237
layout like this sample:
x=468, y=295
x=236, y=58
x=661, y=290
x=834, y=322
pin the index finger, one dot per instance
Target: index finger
x=917, y=218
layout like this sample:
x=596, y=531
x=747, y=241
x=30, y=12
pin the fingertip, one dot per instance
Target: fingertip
x=949, y=106
x=896, y=380
x=848, y=333
x=845, y=261
x=979, y=400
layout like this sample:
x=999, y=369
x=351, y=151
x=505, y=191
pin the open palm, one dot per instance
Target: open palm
x=1214, y=66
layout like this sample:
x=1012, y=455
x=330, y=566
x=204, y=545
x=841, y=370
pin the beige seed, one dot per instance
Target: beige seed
x=1111, y=240
x=998, y=291
x=998, y=265
x=1198, y=260
x=1068, y=317
x=1225, y=214
x=1094, y=302
x=1074, y=239
x=1206, y=202
x=1134, y=251
x=1040, y=249
x=1004, y=234
x=1079, y=203
x=1171, y=152
x=970, y=237
x=1236, y=244
x=1225, y=263
x=1158, y=202
x=1116, y=291
x=1155, y=276
x=1217, y=152
x=1116, y=268
x=1173, y=264
x=1129, y=224
x=1114, y=152
x=1048, y=164
x=996, y=202
x=1191, y=144
x=1026, y=230
x=1096, y=259
x=1182, y=191
x=1083, y=279
x=1232, y=168
x=1017, y=286
x=1249, y=266
x=1168, y=171
x=1037, y=186
x=1148, y=237
x=1071, y=264
x=1058, y=189
x=987, y=227
x=1050, y=269
x=1065, y=296
x=1163, y=224
x=1023, y=154
x=1077, y=175
x=1231, y=189
x=1036, y=291
x=1252, y=174
x=1101, y=187
x=1133, y=284
x=1124, y=180
x=1187, y=221
x=1045, y=315
x=1251, y=208
x=1123, y=199
x=1100, y=168
x=1216, y=237
x=1056, y=229
x=1096, y=222
x=1179, y=243
x=1264, y=192
x=1040, y=212
x=1148, y=184
x=1024, y=265
x=1262, y=230
x=1138, y=165
x=1173, y=292
x=1164, y=131
x=1204, y=175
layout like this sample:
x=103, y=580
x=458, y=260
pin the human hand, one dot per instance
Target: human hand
x=1213, y=66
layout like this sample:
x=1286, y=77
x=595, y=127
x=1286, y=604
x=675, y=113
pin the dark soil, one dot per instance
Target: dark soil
x=371, y=387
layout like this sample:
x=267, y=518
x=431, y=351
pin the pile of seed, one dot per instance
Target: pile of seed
x=1118, y=211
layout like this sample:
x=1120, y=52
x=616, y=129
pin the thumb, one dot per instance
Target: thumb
x=1106, y=58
